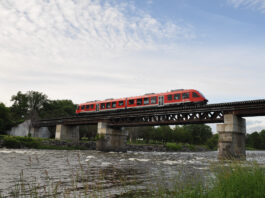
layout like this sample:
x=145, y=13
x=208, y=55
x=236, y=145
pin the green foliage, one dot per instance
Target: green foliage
x=173, y=146
x=5, y=119
x=20, y=107
x=198, y=133
x=100, y=137
x=37, y=143
x=239, y=181
x=212, y=142
x=57, y=108
x=256, y=140
x=20, y=142
x=27, y=105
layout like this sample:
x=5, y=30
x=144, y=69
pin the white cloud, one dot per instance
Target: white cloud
x=251, y=4
x=68, y=46
x=255, y=124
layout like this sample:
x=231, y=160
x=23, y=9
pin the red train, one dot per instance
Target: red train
x=174, y=97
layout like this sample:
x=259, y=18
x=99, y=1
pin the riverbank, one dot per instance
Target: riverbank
x=42, y=143
x=16, y=142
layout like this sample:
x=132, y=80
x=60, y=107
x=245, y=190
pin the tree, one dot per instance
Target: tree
x=57, y=108
x=5, y=119
x=145, y=132
x=262, y=137
x=35, y=102
x=199, y=133
x=212, y=142
x=19, y=109
x=254, y=140
x=181, y=135
x=27, y=106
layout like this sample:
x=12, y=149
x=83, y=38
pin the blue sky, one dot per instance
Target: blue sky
x=95, y=49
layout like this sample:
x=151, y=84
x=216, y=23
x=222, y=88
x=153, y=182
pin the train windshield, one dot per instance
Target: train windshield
x=201, y=94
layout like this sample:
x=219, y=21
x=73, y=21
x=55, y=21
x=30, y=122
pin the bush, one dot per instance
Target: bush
x=11, y=142
x=19, y=142
x=173, y=146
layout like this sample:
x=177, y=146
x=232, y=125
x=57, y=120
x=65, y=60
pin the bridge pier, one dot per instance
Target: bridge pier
x=111, y=138
x=231, y=144
x=40, y=132
x=68, y=133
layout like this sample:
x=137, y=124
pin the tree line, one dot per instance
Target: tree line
x=32, y=105
x=36, y=105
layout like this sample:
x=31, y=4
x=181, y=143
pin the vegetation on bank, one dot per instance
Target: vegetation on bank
x=37, y=143
x=226, y=181
x=233, y=181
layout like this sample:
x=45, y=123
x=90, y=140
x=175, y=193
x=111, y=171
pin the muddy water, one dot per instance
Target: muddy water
x=105, y=173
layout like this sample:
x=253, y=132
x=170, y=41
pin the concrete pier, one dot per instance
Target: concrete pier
x=68, y=133
x=111, y=139
x=231, y=144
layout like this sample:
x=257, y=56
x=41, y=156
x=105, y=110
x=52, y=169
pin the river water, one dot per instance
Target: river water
x=105, y=174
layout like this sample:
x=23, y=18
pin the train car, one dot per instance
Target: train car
x=174, y=97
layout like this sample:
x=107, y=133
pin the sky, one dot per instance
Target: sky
x=95, y=49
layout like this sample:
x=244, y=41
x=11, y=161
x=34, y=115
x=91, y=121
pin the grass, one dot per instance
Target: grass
x=233, y=181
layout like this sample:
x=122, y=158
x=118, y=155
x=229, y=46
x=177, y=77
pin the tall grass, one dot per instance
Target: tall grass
x=233, y=181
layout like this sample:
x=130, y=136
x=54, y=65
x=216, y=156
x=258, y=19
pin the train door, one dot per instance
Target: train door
x=97, y=107
x=161, y=100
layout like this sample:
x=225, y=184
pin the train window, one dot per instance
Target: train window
x=78, y=107
x=87, y=106
x=153, y=100
x=139, y=101
x=120, y=103
x=113, y=104
x=146, y=101
x=92, y=106
x=108, y=105
x=169, y=97
x=185, y=95
x=195, y=95
x=83, y=107
x=176, y=96
x=102, y=105
x=131, y=102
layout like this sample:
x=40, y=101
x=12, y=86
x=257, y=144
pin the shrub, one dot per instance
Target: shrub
x=11, y=142
x=173, y=146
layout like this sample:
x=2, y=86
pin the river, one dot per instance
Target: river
x=106, y=174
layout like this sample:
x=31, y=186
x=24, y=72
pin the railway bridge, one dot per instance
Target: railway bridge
x=112, y=136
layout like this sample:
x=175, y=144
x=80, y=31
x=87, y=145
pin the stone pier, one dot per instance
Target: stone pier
x=68, y=133
x=111, y=138
x=231, y=144
x=42, y=132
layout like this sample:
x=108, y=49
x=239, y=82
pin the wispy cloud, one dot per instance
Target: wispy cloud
x=251, y=4
x=61, y=47
x=80, y=28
